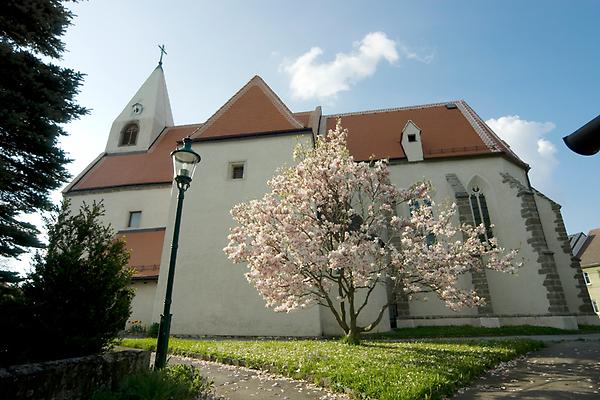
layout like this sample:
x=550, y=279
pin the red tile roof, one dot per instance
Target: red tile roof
x=445, y=132
x=255, y=110
x=152, y=166
x=146, y=250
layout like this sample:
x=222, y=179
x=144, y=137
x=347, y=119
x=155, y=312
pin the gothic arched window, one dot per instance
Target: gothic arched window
x=129, y=135
x=413, y=207
x=480, y=212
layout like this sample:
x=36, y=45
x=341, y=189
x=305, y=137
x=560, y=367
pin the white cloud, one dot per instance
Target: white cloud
x=310, y=78
x=413, y=55
x=526, y=138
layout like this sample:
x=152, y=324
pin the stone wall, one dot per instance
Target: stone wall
x=72, y=378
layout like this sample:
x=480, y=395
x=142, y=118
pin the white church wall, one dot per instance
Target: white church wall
x=151, y=201
x=211, y=296
x=563, y=260
x=528, y=295
x=143, y=301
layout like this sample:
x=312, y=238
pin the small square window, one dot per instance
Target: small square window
x=412, y=137
x=586, y=278
x=134, y=219
x=236, y=171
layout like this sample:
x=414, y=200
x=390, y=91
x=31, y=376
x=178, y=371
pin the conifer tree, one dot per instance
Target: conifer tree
x=36, y=98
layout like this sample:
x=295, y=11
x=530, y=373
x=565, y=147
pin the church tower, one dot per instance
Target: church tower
x=143, y=118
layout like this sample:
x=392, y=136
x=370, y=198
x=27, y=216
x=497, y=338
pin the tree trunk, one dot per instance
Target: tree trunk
x=353, y=334
x=352, y=337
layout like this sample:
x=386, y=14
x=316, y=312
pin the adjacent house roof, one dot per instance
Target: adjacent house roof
x=146, y=249
x=576, y=241
x=590, y=252
x=256, y=110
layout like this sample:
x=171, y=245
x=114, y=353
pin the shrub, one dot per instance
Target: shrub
x=78, y=294
x=153, y=330
x=179, y=382
x=136, y=327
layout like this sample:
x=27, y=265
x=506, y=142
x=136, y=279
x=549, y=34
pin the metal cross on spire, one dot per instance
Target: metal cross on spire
x=162, y=52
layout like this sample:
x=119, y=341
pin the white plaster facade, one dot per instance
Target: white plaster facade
x=118, y=203
x=143, y=301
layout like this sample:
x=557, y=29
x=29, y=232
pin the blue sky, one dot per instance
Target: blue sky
x=530, y=68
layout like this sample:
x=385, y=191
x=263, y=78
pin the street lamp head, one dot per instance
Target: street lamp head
x=184, y=163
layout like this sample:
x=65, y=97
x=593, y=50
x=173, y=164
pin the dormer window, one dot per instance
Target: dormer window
x=411, y=142
x=129, y=135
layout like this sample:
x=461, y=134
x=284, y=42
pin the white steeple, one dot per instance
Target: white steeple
x=143, y=118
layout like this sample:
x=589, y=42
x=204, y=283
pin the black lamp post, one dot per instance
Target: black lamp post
x=184, y=164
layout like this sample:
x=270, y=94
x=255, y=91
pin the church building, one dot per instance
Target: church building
x=253, y=134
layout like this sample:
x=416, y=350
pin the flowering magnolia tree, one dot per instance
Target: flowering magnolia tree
x=328, y=234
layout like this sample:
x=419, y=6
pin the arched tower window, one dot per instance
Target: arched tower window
x=129, y=135
x=480, y=212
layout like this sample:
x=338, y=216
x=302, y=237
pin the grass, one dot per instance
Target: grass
x=589, y=329
x=473, y=331
x=375, y=369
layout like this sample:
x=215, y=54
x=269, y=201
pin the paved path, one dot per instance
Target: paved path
x=543, y=338
x=239, y=383
x=565, y=370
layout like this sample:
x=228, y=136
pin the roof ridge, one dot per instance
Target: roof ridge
x=476, y=123
x=382, y=110
x=255, y=81
x=185, y=125
x=488, y=136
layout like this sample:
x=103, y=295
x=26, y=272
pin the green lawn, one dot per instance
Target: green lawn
x=471, y=331
x=375, y=369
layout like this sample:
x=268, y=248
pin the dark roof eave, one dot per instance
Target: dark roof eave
x=132, y=186
x=252, y=135
x=145, y=278
x=507, y=157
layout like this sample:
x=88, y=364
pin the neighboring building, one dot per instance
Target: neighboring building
x=252, y=135
x=587, y=249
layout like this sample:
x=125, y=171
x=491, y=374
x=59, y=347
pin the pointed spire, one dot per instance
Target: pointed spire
x=145, y=116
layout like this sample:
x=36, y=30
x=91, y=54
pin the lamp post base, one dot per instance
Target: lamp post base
x=162, y=344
